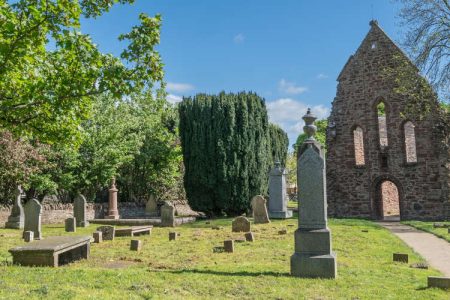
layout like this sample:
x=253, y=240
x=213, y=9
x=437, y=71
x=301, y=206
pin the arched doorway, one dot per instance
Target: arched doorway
x=387, y=200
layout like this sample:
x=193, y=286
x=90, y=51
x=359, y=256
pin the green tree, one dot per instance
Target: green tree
x=47, y=91
x=279, y=144
x=428, y=38
x=320, y=136
x=226, y=150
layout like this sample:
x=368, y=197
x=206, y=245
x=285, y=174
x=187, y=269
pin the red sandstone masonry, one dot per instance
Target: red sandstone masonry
x=353, y=191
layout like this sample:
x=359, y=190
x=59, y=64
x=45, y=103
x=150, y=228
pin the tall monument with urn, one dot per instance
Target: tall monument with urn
x=113, y=212
x=313, y=256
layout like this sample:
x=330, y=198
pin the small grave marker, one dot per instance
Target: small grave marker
x=250, y=237
x=439, y=282
x=108, y=232
x=98, y=237
x=400, y=257
x=136, y=245
x=172, y=236
x=71, y=225
x=228, y=245
x=28, y=236
x=240, y=224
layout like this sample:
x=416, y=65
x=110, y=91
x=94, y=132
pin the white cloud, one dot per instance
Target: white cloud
x=290, y=88
x=322, y=76
x=239, y=38
x=288, y=113
x=179, y=87
x=174, y=98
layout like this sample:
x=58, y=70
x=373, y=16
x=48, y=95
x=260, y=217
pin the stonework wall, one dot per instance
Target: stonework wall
x=354, y=190
x=56, y=213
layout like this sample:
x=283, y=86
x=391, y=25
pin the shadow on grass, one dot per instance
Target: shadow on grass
x=222, y=273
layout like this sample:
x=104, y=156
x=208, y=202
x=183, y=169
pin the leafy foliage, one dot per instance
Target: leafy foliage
x=226, y=149
x=428, y=38
x=279, y=144
x=46, y=92
x=320, y=136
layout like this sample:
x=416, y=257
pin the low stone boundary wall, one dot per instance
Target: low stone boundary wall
x=58, y=212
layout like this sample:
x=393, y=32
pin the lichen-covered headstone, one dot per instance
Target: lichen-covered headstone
x=108, y=232
x=277, y=193
x=313, y=257
x=17, y=218
x=98, y=237
x=167, y=215
x=240, y=224
x=260, y=215
x=79, y=211
x=33, y=211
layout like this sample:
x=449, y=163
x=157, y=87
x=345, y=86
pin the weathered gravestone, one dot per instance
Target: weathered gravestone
x=71, y=225
x=33, y=211
x=172, y=236
x=151, y=207
x=28, y=236
x=277, y=193
x=17, y=218
x=113, y=212
x=135, y=245
x=228, y=245
x=79, y=211
x=260, y=215
x=240, y=224
x=168, y=215
x=108, y=232
x=313, y=256
x=98, y=237
x=249, y=237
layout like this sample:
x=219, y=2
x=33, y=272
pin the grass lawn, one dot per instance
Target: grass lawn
x=188, y=268
x=428, y=227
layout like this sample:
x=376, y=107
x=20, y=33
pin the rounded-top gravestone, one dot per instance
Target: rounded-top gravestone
x=240, y=224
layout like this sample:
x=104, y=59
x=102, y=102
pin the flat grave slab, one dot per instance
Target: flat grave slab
x=52, y=251
x=134, y=231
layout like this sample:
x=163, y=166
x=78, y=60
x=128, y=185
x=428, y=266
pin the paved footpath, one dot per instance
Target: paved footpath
x=436, y=251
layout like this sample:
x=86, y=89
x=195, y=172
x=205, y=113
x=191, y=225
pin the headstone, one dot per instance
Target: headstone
x=259, y=208
x=228, y=245
x=98, y=237
x=278, y=199
x=400, y=257
x=218, y=249
x=113, y=213
x=167, y=215
x=240, y=224
x=136, y=245
x=439, y=282
x=33, y=210
x=172, y=236
x=79, y=211
x=71, y=225
x=28, y=236
x=249, y=237
x=151, y=207
x=313, y=257
x=108, y=232
x=16, y=219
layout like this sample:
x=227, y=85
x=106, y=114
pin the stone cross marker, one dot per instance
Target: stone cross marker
x=17, y=218
x=240, y=224
x=33, y=210
x=168, y=215
x=313, y=256
x=260, y=215
x=79, y=211
x=113, y=213
x=277, y=193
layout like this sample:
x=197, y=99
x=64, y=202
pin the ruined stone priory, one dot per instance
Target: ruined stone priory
x=383, y=163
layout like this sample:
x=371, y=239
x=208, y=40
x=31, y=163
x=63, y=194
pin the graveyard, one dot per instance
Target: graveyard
x=224, y=150
x=188, y=268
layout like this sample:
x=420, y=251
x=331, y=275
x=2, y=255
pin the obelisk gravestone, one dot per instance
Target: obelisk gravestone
x=277, y=193
x=313, y=256
x=17, y=218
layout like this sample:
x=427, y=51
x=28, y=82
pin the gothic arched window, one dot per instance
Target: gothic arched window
x=358, y=142
x=410, y=142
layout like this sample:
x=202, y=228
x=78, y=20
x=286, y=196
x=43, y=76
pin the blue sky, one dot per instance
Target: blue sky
x=288, y=51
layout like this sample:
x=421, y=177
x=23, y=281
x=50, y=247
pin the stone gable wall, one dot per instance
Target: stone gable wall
x=353, y=191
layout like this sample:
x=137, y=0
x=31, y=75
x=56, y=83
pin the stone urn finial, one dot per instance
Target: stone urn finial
x=113, y=183
x=309, y=128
